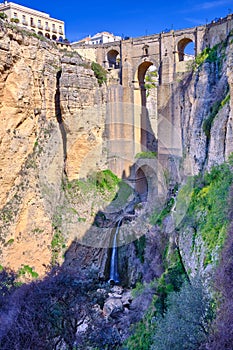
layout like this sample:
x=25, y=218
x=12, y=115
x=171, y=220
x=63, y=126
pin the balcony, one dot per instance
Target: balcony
x=33, y=25
x=54, y=30
x=47, y=28
x=25, y=23
x=61, y=31
x=40, y=26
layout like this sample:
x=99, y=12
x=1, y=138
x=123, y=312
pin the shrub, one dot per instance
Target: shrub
x=100, y=73
x=146, y=155
x=3, y=15
x=158, y=217
x=214, y=109
x=209, y=193
x=186, y=323
x=14, y=20
x=45, y=314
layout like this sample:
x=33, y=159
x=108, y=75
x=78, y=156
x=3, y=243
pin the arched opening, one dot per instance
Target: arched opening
x=54, y=37
x=142, y=72
x=60, y=39
x=141, y=184
x=148, y=81
x=47, y=35
x=186, y=49
x=145, y=50
x=113, y=58
x=40, y=33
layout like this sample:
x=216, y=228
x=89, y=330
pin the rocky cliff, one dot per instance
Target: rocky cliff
x=56, y=191
x=51, y=124
x=53, y=132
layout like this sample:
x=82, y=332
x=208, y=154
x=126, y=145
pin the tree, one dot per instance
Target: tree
x=46, y=314
x=185, y=324
x=3, y=15
x=100, y=73
x=222, y=330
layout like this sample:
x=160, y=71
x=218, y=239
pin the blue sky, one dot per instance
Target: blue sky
x=128, y=17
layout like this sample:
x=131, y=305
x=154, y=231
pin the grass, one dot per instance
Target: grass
x=103, y=184
x=157, y=217
x=100, y=73
x=216, y=54
x=26, y=269
x=214, y=109
x=146, y=155
x=171, y=280
x=208, y=208
x=58, y=240
x=140, y=245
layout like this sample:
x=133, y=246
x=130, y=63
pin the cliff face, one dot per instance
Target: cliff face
x=204, y=101
x=53, y=123
x=47, y=98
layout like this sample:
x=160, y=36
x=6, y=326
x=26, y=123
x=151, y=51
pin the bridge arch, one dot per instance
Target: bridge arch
x=145, y=101
x=141, y=184
x=113, y=58
x=181, y=47
x=140, y=69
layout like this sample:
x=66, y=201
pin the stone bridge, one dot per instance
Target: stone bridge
x=137, y=122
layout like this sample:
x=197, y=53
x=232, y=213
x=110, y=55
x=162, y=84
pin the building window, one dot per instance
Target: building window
x=47, y=26
x=24, y=20
x=15, y=15
x=53, y=28
x=39, y=24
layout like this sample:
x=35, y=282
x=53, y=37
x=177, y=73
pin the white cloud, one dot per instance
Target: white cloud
x=212, y=4
x=195, y=21
x=208, y=5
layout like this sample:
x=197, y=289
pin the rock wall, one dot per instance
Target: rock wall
x=51, y=122
x=54, y=123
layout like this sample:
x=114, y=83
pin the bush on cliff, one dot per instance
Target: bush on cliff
x=100, y=73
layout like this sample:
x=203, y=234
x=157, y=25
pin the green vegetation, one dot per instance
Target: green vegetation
x=208, y=208
x=215, y=108
x=216, y=54
x=14, y=20
x=10, y=241
x=148, y=155
x=106, y=180
x=157, y=217
x=185, y=325
x=26, y=269
x=100, y=73
x=170, y=281
x=37, y=230
x=103, y=184
x=151, y=81
x=179, y=308
x=140, y=245
x=58, y=240
x=3, y=15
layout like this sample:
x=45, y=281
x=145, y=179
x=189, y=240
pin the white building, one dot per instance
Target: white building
x=97, y=39
x=39, y=22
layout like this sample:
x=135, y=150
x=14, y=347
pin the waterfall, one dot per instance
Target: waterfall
x=114, y=275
